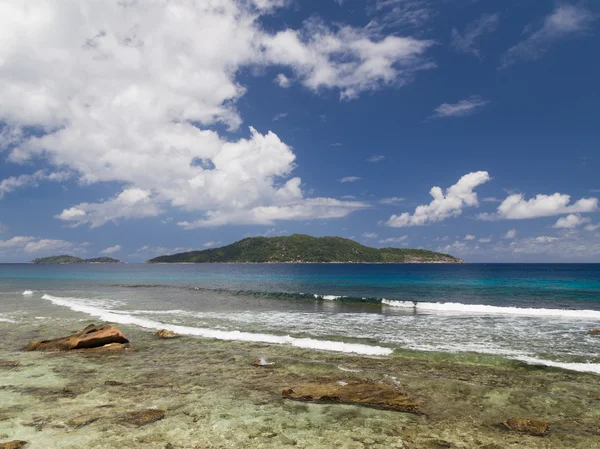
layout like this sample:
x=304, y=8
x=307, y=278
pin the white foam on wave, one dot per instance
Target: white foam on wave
x=305, y=343
x=470, y=309
x=6, y=320
x=582, y=367
x=328, y=297
x=28, y=293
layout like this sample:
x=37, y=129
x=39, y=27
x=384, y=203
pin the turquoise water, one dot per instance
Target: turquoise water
x=535, y=313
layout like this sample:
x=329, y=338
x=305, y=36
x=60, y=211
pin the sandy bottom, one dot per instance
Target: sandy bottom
x=214, y=398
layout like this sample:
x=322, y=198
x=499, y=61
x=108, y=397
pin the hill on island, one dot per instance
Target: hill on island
x=299, y=248
x=66, y=259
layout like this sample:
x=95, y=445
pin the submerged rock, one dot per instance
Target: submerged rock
x=369, y=394
x=164, y=333
x=92, y=336
x=143, y=417
x=261, y=362
x=10, y=364
x=15, y=444
x=530, y=426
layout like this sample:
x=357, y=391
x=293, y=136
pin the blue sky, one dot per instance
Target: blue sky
x=463, y=126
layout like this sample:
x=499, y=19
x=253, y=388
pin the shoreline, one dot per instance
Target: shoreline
x=213, y=397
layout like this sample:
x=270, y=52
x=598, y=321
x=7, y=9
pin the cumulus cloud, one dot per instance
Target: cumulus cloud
x=485, y=240
x=283, y=81
x=111, y=249
x=516, y=207
x=592, y=227
x=130, y=203
x=466, y=42
x=443, y=206
x=571, y=221
x=510, y=234
x=16, y=242
x=128, y=93
x=463, y=107
x=564, y=22
x=349, y=179
x=45, y=245
x=370, y=235
x=12, y=183
x=32, y=245
x=210, y=244
x=469, y=237
x=376, y=158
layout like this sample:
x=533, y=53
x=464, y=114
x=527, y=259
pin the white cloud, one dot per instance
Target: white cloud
x=148, y=252
x=45, y=245
x=370, y=235
x=460, y=109
x=283, y=81
x=349, y=179
x=402, y=14
x=280, y=116
x=442, y=206
x=545, y=239
x=592, y=227
x=491, y=199
x=485, y=240
x=510, y=234
x=12, y=183
x=129, y=94
x=571, y=221
x=16, y=242
x=465, y=43
x=469, y=237
x=111, y=249
x=267, y=215
x=376, y=158
x=395, y=240
x=130, y=203
x=565, y=21
x=391, y=200
x=210, y=244
x=515, y=207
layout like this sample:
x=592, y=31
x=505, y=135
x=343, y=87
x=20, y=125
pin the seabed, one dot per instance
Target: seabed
x=213, y=397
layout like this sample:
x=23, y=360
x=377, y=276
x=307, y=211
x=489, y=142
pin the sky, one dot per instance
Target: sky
x=134, y=129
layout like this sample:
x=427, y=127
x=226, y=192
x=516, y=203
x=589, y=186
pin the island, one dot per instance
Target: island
x=67, y=259
x=300, y=248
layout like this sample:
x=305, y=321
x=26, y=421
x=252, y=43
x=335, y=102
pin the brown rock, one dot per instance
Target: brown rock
x=10, y=364
x=369, y=394
x=530, y=426
x=594, y=331
x=91, y=337
x=16, y=444
x=164, y=333
x=143, y=417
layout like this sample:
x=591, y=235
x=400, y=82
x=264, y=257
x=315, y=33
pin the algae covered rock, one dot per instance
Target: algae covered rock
x=370, y=394
x=15, y=444
x=164, y=333
x=91, y=336
x=143, y=417
x=530, y=426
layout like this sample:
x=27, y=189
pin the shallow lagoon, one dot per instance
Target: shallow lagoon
x=214, y=398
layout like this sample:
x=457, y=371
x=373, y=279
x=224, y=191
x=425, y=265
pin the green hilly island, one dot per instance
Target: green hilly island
x=66, y=259
x=300, y=248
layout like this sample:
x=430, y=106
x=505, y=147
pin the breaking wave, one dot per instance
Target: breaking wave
x=304, y=343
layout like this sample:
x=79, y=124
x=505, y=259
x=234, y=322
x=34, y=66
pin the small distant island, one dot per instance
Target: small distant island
x=300, y=248
x=67, y=259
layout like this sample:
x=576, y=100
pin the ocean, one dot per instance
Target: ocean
x=539, y=314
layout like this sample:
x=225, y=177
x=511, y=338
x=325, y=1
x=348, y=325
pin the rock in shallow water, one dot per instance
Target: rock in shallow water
x=143, y=417
x=164, y=333
x=530, y=426
x=369, y=394
x=16, y=444
x=594, y=331
x=91, y=337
